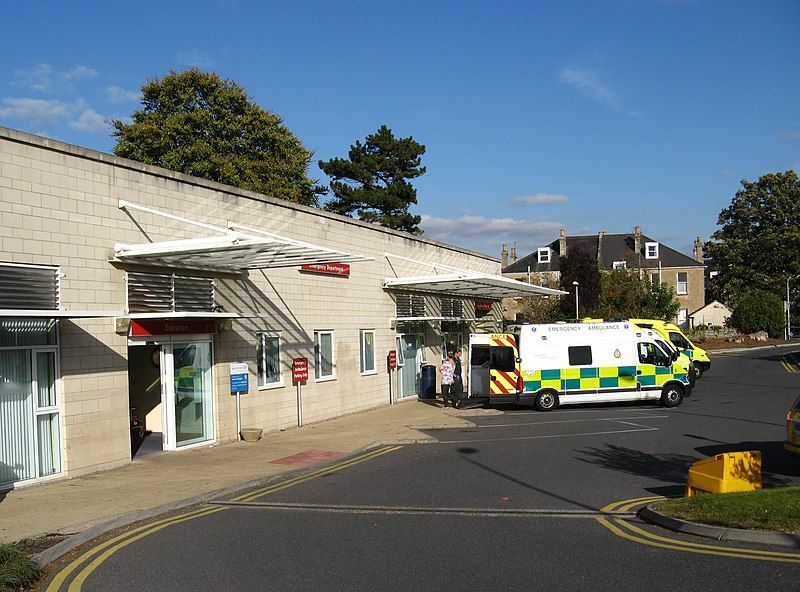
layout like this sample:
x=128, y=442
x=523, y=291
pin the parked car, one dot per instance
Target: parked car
x=792, y=443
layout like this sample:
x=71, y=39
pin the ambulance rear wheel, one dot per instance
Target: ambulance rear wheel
x=546, y=401
x=672, y=395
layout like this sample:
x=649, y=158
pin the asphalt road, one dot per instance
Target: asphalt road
x=523, y=501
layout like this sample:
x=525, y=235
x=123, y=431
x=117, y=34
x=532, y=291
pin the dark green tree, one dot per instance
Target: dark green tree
x=758, y=244
x=373, y=182
x=579, y=266
x=626, y=294
x=759, y=310
x=194, y=122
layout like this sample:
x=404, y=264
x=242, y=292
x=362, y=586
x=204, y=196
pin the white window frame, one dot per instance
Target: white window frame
x=619, y=265
x=318, y=366
x=651, y=250
x=260, y=363
x=543, y=255
x=682, y=287
x=368, y=365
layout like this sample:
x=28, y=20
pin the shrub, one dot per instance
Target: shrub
x=759, y=311
x=16, y=569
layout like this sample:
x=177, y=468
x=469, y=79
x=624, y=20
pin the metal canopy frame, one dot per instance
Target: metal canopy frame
x=237, y=249
x=469, y=284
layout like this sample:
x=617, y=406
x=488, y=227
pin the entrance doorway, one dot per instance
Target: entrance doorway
x=410, y=358
x=171, y=387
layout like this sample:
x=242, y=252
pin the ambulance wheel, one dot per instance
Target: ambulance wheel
x=672, y=395
x=546, y=401
x=698, y=371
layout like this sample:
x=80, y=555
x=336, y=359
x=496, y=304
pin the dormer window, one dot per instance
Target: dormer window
x=619, y=265
x=651, y=250
x=544, y=255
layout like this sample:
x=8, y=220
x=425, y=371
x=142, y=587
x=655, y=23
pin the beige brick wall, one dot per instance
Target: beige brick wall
x=59, y=206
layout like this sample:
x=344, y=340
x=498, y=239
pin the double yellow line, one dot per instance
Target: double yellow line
x=790, y=362
x=93, y=558
x=625, y=529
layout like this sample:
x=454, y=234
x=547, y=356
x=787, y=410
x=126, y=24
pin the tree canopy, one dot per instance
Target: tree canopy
x=626, y=294
x=194, y=122
x=373, y=182
x=579, y=266
x=758, y=244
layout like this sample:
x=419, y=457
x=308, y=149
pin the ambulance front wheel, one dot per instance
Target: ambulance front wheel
x=546, y=401
x=672, y=395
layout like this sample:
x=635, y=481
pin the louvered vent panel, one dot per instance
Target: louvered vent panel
x=410, y=305
x=34, y=288
x=149, y=292
x=452, y=308
x=194, y=294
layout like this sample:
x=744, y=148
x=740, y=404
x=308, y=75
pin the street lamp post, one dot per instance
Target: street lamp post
x=788, y=312
x=576, y=300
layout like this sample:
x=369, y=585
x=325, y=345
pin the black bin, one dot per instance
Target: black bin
x=427, y=382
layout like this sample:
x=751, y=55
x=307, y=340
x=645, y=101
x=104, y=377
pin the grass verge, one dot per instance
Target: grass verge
x=775, y=510
x=17, y=570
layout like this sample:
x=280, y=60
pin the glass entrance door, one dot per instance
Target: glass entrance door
x=188, y=393
x=410, y=358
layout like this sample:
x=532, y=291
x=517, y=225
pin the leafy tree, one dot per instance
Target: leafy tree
x=759, y=310
x=373, y=181
x=194, y=122
x=579, y=266
x=625, y=294
x=542, y=309
x=758, y=245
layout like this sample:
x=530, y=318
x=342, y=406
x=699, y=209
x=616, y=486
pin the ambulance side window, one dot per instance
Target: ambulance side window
x=503, y=359
x=580, y=355
x=678, y=341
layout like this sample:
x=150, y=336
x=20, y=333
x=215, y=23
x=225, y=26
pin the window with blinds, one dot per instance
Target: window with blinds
x=452, y=308
x=150, y=292
x=29, y=287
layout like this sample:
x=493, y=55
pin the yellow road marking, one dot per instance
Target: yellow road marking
x=628, y=531
x=99, y=554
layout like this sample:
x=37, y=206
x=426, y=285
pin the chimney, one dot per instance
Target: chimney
x=600, y=236
x=513, y=254
x=698, y=250
x=562, y=244
x=504, y=256
x=637, y=240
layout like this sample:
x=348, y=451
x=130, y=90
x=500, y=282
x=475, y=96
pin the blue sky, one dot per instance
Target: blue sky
x=536, y=116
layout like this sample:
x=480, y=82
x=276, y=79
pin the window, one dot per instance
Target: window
x=682, y=283
x=502, y=358
x=620, y=265
x=323, y=354
x=579, y=355
x=367, y=351
x=651, y=250
x=544, y=255
x=268, y=356
x=655, y=279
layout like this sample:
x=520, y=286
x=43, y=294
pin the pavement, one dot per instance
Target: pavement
x=85, y=507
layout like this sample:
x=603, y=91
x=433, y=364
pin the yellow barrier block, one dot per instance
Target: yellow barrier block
x=724, y=473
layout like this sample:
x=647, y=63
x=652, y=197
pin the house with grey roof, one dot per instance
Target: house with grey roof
x=632, y=251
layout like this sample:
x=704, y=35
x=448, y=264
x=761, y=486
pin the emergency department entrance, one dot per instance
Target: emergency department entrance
x=179, y=368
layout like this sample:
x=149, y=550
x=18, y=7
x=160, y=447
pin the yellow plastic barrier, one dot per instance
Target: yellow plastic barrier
x=724, y=473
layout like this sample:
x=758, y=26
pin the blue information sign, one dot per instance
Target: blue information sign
x=240, y=378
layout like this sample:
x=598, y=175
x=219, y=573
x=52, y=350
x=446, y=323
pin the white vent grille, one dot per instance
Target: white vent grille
x=29, y=287
x=452, y=308
x=150, y=292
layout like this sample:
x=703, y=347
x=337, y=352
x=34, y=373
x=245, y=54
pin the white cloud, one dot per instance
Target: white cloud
x=115, y=94
x=44, y=78
x=589, y=84
x=37, y=111
x=487, y=235
x=539, y=199
x=90, y=121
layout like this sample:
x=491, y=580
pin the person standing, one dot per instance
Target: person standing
x=458, y=385
x=447, y=371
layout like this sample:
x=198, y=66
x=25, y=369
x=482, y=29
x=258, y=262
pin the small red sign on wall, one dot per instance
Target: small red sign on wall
x=146, y=327
x=483, y=305
x=328, y=268
x=392, y=359
x=300, y=369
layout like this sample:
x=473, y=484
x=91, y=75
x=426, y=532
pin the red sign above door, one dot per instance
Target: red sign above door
x=147, y=327
x=328, y=268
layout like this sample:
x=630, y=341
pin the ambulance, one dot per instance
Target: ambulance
x=674, y=335
x=573, y=363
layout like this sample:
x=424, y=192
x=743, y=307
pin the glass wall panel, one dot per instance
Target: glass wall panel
x=17, y=453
